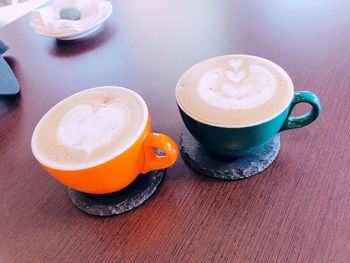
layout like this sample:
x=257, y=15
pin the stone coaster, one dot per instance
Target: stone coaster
x=209, y=164
x=119, y=202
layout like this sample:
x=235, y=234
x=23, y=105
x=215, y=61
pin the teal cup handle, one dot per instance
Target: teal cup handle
x=306, y=119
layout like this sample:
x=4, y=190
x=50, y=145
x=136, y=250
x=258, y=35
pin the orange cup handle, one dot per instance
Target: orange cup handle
x=165, y=144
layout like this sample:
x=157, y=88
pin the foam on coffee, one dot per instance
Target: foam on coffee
x=234, y=90
x=89, y=127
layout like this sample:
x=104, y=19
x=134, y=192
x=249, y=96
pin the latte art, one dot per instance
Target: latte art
x=89, y=127
x=85, y=127
x=234, y=90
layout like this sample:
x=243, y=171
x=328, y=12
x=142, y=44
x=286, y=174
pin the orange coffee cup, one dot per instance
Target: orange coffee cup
x=110, y=173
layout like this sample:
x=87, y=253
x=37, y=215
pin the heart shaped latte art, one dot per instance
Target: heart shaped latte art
x=235, y=63
x=235, y=77
x=237, y=92
x=237, y=89
x=86, y=127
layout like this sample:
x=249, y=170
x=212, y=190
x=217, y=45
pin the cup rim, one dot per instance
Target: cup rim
x=76, y=167
x=201, y=120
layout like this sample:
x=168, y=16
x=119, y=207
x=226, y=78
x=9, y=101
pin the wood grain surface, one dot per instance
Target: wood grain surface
x=298, y=210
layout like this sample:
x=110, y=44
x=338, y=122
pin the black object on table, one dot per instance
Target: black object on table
x=121, y=201
x=220, y=167
x=8, y=81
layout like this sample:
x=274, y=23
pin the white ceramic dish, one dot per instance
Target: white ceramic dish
x=81, y=35
x=75, y=31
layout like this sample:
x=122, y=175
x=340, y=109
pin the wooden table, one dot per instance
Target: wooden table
x=298, y=210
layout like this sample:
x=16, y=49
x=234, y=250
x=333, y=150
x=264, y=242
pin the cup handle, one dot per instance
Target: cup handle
x=164, y=143
x=306, y=119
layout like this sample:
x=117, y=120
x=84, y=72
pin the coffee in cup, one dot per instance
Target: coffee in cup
x=99, y=140
x=233, y=104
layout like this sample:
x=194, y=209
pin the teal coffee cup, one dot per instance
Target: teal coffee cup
x=234, y=104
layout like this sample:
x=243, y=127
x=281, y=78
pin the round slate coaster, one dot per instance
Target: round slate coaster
x=121, y=201
x=209, y=164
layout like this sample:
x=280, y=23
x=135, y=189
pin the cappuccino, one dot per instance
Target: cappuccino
x=89, y=128
x=234, y=91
